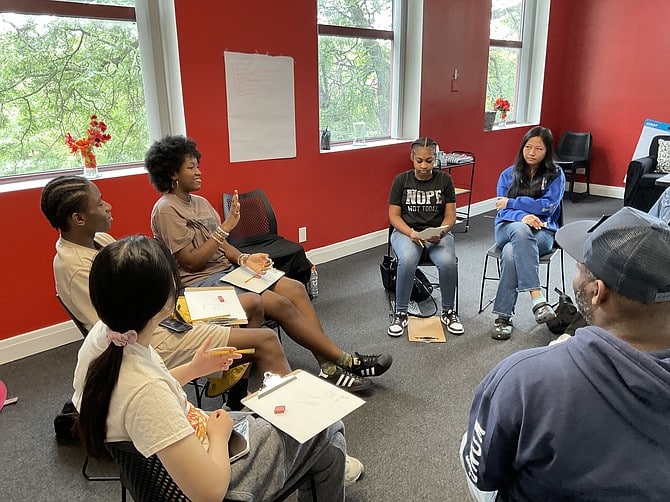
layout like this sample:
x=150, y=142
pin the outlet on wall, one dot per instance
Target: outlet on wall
x=302, y=234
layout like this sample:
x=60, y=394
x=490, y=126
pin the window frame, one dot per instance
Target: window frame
x=161, y=75
x=404, y=79
x=530, y=71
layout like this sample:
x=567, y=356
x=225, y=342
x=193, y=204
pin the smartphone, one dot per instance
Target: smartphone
x=175, y=325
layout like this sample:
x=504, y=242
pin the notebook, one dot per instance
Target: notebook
x=245, y=278
x=216, y=304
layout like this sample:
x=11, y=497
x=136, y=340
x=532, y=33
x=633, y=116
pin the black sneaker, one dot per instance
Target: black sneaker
x=397, y=327
x=452, y=322
x=367, y=366
x=346, y=379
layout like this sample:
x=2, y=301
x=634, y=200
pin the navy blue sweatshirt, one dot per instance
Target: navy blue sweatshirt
x=587, y=420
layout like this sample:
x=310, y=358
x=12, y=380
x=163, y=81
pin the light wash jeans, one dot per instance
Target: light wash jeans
x=520, y=263
x=442, y=254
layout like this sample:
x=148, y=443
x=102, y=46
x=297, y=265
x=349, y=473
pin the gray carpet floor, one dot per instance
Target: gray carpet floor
x=408, y=432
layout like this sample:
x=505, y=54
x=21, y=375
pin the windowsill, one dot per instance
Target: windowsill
x=372, y=144
x=17, y=186
x=515, y=125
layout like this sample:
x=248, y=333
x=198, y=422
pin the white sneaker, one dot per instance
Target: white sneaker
x=353, y=470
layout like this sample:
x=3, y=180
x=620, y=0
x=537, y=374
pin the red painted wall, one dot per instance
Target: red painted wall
x=605, y=71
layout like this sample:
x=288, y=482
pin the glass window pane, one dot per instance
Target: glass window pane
x=506, y=20
x=354, y=86
x=56, y=72
x=375, y=14
x=502, y=77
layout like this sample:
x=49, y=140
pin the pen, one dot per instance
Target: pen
x=223, y=352
x=255, y=276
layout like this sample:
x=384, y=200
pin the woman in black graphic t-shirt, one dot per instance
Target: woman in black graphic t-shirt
x=423, y=198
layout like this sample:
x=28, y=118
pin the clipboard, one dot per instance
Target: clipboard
x=301, y=404
x=426, y=330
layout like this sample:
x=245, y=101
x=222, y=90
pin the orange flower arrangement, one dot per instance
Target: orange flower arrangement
x=503, y=106
x=96, y=136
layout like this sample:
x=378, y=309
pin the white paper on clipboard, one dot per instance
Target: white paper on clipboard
x=310, y=405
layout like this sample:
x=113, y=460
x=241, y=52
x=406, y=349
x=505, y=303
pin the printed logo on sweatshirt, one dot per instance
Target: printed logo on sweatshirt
x=473, y=454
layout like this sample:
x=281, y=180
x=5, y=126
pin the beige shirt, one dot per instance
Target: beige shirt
x=72, y=267
x=178, y=224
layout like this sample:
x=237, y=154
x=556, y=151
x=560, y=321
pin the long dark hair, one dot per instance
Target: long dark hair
x=131, y=281
x=522, y=184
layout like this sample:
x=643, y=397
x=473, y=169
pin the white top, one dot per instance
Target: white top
x=148, y=406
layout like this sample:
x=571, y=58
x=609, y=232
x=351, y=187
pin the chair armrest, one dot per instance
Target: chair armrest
x=636, y=169
x=645, y=165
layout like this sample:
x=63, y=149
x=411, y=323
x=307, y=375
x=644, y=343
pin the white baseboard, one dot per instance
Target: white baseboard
x=54, y=336
x=28, y=344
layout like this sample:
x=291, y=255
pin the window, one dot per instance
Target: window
x=362, y=48
x=517, y=49
x=62, y=62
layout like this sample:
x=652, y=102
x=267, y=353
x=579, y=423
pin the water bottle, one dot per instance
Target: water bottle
x=314, y=283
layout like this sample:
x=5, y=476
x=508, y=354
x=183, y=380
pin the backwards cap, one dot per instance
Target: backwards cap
x=629, y=251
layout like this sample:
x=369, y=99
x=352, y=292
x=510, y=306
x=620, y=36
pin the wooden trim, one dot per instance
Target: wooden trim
x=69, y=9
x=512, y=44
x=348, y=31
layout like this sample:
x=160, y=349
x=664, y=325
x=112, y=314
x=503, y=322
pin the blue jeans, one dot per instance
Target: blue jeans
x=442, y=254
x=520, y=263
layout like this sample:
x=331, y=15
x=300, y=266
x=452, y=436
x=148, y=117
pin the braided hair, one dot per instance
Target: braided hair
x=62, y=197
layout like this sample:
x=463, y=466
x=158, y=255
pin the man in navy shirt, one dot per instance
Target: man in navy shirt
x=587, y=419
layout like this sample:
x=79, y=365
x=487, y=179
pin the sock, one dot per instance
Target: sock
x=328, y=367
x=539, y=299
x=345, y=361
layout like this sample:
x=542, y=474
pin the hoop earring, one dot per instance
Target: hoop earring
x=175, y=183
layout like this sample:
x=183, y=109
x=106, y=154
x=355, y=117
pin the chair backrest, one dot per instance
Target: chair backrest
x=77, y=322
x=145, y=478
x=574, y=146
x=258, y=220
x=653, y=146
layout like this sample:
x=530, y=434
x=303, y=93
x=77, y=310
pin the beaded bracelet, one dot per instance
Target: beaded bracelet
x=242, y=259
x=221, y=231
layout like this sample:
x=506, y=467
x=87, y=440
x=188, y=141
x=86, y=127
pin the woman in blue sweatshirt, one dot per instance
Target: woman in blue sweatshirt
x=529, y=195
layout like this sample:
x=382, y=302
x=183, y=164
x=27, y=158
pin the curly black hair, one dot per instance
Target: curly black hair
x=165, y=157
x=62, y=197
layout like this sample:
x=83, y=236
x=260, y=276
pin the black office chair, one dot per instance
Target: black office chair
x=257, y=233
x=572, y=153
x=147, y=480
x=495, y=253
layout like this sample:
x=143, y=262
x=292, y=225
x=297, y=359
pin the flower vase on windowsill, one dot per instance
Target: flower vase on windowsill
x=503, y=119
x=90, y=163
x=96, y=135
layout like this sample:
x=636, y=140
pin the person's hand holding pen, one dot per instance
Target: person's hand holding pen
x=415, y=239
x=259, y=262
x=205, y=363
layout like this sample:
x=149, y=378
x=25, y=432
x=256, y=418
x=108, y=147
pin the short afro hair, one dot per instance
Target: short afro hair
x=165, y=157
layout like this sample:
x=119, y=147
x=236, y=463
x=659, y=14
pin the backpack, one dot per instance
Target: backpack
x=65, y=425
x=421, y=289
